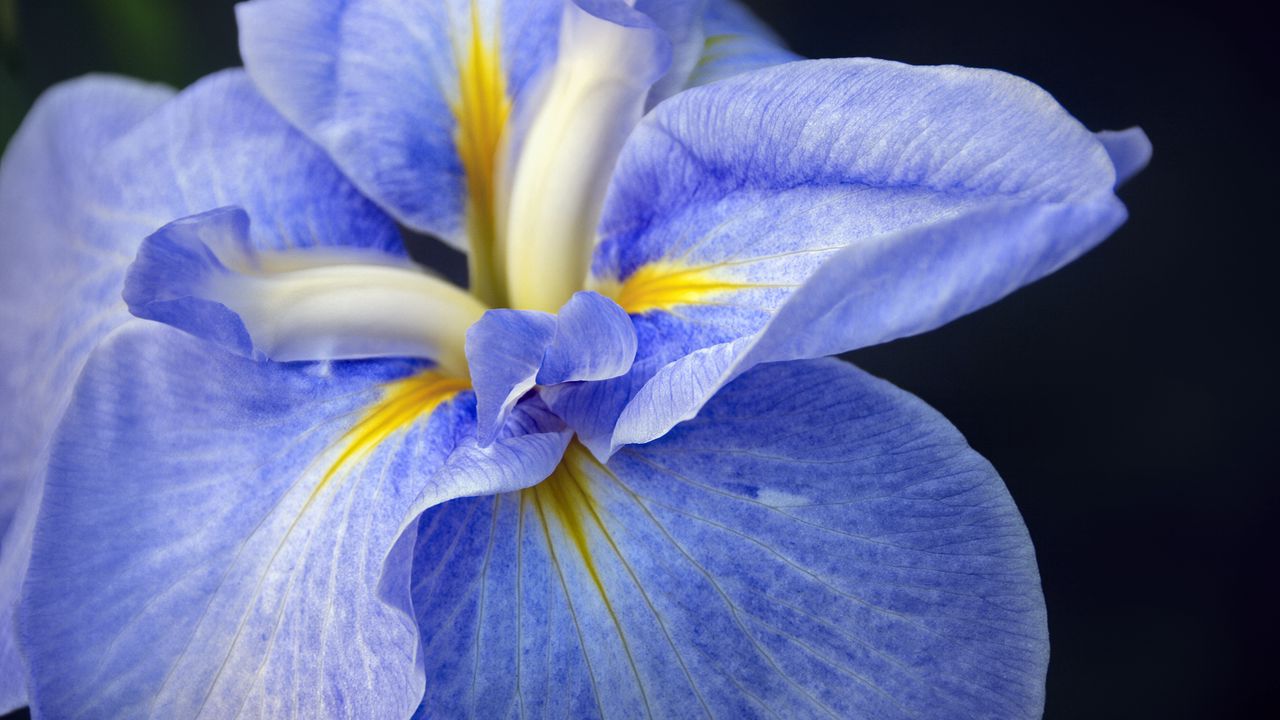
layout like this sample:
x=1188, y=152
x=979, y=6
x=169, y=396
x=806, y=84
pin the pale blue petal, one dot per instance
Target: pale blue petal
x=374, y=82
x=736, y=42
x=504, y=350
x=816, y=543
x=936, y=190
x=682, y=21
x=594, y=340
x=97, y=166
x=214, y=532
x=510, y=351
x=899, y=284
x=1130, y=151
x=51, y=289
x=165, y=281
x=55, y=301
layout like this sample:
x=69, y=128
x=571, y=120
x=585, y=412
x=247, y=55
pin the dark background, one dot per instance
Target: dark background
x=1128, y=400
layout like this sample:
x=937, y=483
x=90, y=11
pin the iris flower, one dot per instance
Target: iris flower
x=257, y=461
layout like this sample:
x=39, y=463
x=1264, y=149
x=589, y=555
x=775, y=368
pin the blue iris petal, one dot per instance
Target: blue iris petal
x=1130, y=151
x=816, y=543
x=220, y=535
x=509, y=351
x=59, y=296
x=863, y=199
x=163, y=282
x=374, y=81
x=736, y=42
x=377, y=82
x=98, y=165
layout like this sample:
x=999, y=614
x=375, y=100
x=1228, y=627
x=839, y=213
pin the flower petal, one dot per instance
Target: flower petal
x=594, y=340
x=97, y=165
x=51, y=292
x=509, y=351
x=816, y=543
x=736, y=42
x=383, y=85
x=934, y=190
x=202, y=274
x=235, y=524
x=1130, y=151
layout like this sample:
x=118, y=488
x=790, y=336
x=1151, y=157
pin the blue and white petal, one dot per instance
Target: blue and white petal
x=203, y=274
x=98, y=165
x=219, y=536
x=735, y=41
x=58, y=261
x=816, y=543
x=510, y=351
x=922, y=193
x=48, y=267
x=391, y=89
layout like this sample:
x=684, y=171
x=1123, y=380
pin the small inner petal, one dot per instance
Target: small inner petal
x=202, y=274
x=352, y=311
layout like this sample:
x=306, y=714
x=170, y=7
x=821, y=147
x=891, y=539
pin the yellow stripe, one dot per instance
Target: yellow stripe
x=481, y=111
x=403, y=402
x=566, y=495
x=664, y=285
x=561, y=496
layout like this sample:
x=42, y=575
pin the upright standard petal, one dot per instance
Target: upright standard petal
x=96, y=167
x=219, y=536
x=735, y=41
x=816, y=543
x=411, y=99
x=922, y=193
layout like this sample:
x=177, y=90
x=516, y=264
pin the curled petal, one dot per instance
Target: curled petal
x=510, y=351
x=865, y=199
x=203, y=274
x=1130, y=151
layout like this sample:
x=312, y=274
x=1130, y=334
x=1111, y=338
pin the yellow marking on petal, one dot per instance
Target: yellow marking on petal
x=713, y=49
x=566, y=496
x=561, y=496
x=481, y=110
x=403, y=402
x=664, y=285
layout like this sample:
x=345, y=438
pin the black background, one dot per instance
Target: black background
x=1128, y=400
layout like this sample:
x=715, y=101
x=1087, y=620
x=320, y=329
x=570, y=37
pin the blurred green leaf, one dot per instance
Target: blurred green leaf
x=144, y=37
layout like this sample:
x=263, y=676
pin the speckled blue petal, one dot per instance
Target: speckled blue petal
x=510, y=351
x=922, y=193
x=735, y=41
x=376, y=82
x=53, y=302
x=816, y=543
x=219, y=536
x=96, y=166
x=383, y=85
